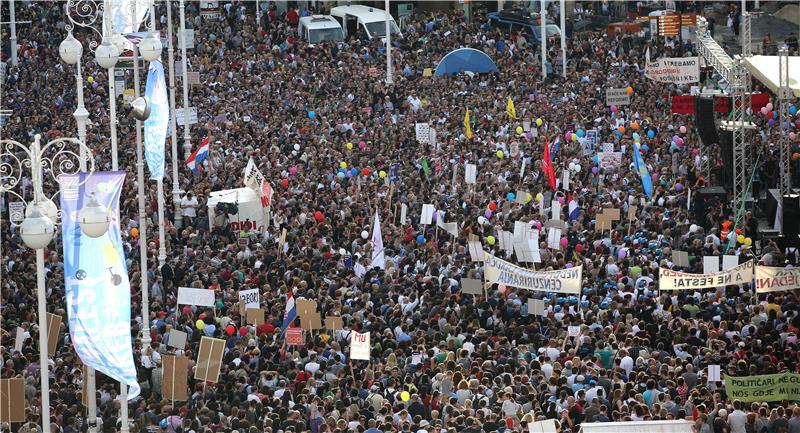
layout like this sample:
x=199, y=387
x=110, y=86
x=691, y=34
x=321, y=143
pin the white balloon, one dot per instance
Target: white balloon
x=571, y=166
x=364, y=234
x=577, y=168
x=481, y=220
x=297, y=147
x=693, y=228
x=342, y=252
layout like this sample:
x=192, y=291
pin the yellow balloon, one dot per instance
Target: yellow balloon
x=748, y=241
x=528, y=197
x=519, y=130
x=539, y=197
x=740, y=239
x=490, y=240
x=539, y=122
x=500, y=154
x=342, y=164
x=90, y=79
x=382, y=174
x=200, y=325
x=405, y=396
x=424, y=102
x=349, y=146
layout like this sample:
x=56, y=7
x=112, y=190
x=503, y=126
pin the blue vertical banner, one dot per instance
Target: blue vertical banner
x=120, y=12
x=641, y=169
x=155, y=127
x=96, y=278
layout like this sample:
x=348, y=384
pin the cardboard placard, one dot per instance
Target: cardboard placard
x=295, y=337
x=311, y=321
x=714, y=373
x=12, y=405
x=176, y=368
x=177, y=339
x=632, y=212
x=427, y=72
x=192, y=296
x=471, y=286
x=546, y=426
x=617, y=97
x=53, y=331
x=470, y=173
x=710, y=264
x=209, y=359
x=573, y=331
x=255, y=316
x=333, y=323
x=19, y=339
x=729, y=262
x=360, y=347
x=521, y=197
x=403, y=212
x=426, y=217
x=475, y=251
x=536, y=307
x=680, y=258
x=305, y=307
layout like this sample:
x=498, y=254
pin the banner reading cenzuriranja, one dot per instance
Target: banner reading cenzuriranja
x=767, y=387
x=502, y=272
x=769, y=279
x=674, y=280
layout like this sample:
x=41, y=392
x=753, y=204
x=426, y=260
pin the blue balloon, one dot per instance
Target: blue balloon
x=349, y=174
x=420, y=239
x=510, y=196
x=341, y=170
x=619, y=134
x=646, y=149
x=312, y=114
x=792, y=110
x=353, y=171
x=580, y=133
x=596, y=158
x=651, y=134
x=340, y=174
x=635, y=135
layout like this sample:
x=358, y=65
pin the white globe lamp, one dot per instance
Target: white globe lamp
x=37, y=229
x=106, y=54
x=70, y=50
x=94, y=219
x=150, y=47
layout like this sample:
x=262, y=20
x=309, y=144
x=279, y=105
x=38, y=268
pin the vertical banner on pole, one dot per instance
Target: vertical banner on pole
x=96, y=278
x=155, y=127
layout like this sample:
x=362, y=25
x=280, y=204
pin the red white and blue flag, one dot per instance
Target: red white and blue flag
x=290, y=314
x=195, y=161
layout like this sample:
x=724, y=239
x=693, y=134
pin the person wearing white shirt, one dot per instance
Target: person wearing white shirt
x=189, y=205
x=737, y=419
x=312, y=365
x=626, y=363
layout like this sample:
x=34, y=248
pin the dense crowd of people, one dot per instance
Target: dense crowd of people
x=441, y=360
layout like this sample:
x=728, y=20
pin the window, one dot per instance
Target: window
x=379, y=28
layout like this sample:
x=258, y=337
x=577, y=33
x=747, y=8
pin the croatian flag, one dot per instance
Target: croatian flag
x=574, y=210
x=556, y=146
x=196, y=158
x=290, y=314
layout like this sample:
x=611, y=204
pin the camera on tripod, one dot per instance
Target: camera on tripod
x=227, y=208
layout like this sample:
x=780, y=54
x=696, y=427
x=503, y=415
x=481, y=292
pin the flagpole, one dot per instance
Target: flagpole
x=176, y=190
x=563, y=39
x=543, y=36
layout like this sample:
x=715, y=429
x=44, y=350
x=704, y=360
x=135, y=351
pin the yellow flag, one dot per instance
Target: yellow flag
x=510, y=110
x=467, y=125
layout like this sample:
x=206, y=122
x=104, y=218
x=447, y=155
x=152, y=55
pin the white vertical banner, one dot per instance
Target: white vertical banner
x=360, y=346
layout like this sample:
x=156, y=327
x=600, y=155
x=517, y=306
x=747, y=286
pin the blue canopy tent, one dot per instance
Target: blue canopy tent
x=467, y=59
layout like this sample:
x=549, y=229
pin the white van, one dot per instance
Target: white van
x=319, y=28
x=369, y=19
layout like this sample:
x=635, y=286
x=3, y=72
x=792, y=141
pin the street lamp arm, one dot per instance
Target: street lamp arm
x=85, y=14
x=64, y=160
x=11, y=167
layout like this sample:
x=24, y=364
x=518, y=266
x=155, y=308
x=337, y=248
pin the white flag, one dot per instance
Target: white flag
x=378, y=256
x=359, y=346
x=253, y=177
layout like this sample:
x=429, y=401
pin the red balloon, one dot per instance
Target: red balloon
x=230, y=330
x=365, y=171
x=318, y=216
x=285, y=183
x=579, y=248
x=492, y=206
x=243, y=331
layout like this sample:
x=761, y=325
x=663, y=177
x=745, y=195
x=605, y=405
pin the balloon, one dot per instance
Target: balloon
x=651, y=134
x=683, y=130
x=748, y=241
x=519, y=130
x=764, y=110
x=539, y=197
x=635, y=135
x=200, y=325
x=539, y=122
x=230, y=330
x=529, y=135
x=578, y=168
x=362, y=145
x=622, y=253
x=629, y=90
x=574, y=137
x=771, y=122
x=342, y=164
x=581, y=133
x=348, y=174
x=792, y=110
x=135, y=232
x=617, y=133
x=349, y=146
x=561, y=200
x=296, y=147
x=579, y=248
x=502, y=288
x=770, y=106
x=319, y=217
x=293, y=170
x=563, y=242
x=382, y=174
x=312, y=114
x=595, y=170
x=740, y=239
x=405, y=396
x=621, y=129
x=614, y=108
x=645, y=148
x=492, y=206
x=285, y=183
x=353, y=171
x=481, y=220
x=365, y=171
x=499, y=154
x=487, y=213
x=529, y=197
x=635, y=126
x=420, y=239
x=90, y=79
x=510, y=196
x=678, y=187
x=490, y=240
x=569, y=265
x=364, y=234
x=568, y=136
x=243, y=331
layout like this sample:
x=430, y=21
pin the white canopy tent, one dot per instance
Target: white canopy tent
x=765, y=69
x=680, y=426
x=251, y=215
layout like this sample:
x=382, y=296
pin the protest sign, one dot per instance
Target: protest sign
x=295, y=336
x=573, y=331
x=255, y=316
x=767, y=387
x=53, y=332
x=610, y=161
x=209, y=359
x=471, y=286
x=674, y=280
x=177, y=339
x=251, y=298
x=683, y=104
x=561, y=281
x=536, y=307
x=617, y=97
x=192, y=296
x=12, y=403
x=769, y=279
x=359, y=346
x=546, y=426
x=713, y=373
x=175, y=369
x=470, y=173
x=332, y=323
x=426, y=217
x=677, y=70
x=19, y=340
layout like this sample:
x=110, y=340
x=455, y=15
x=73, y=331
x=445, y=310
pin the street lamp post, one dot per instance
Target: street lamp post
x=176, y=192
x=187, y=137
x=38, y=227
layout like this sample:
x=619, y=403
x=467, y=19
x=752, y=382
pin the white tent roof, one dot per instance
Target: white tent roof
x=680, y=426
x=238, y=195
x=765, y=69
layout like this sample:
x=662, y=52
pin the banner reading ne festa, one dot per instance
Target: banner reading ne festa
x=97, y=288
x=767, y=387
x=769, y=279
x=502, y=272
x=678, y=70
x=674, y=280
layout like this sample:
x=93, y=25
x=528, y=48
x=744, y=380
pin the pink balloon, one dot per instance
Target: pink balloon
x=568, y=136
x=293, y=170
x=679, y=142
x=362, y=145
x=563, y=242
x=683, y=130
x=622, y=254
x=501, y=288
x=770, y=106
x=561, y=200
x=764, y=110
x=614, y=108
x=538, y=225
x=654, y=177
